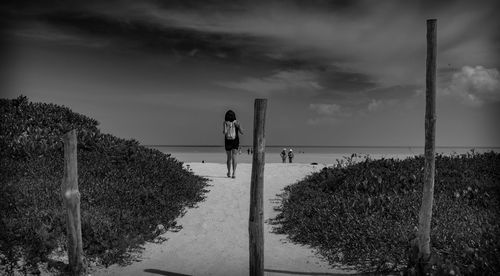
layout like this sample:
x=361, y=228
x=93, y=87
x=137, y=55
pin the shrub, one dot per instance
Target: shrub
x=364, y=214
x=126, y=189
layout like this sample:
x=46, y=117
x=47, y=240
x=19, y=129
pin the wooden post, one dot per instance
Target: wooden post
x=425, y=216
x=71, y=199
x=255, y=221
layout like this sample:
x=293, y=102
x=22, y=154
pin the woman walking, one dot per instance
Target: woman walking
x=231, y=130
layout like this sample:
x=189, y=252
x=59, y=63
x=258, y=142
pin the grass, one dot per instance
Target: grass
x=364, y=214
x=127, y=190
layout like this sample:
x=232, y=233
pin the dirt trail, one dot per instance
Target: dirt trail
x=214, y=236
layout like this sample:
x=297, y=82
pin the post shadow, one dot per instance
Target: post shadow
x=163, y=272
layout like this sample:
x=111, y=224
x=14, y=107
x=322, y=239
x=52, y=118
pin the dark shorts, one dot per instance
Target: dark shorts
x=232, y=144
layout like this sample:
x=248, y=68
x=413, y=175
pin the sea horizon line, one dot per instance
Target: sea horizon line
x=321, y=146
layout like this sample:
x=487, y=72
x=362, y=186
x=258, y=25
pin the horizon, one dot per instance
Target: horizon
x=334, y=72
x=323, y=146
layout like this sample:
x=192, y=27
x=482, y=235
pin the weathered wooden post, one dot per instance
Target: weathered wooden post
x=425, y=216
x=71, y=199
x=255, y=221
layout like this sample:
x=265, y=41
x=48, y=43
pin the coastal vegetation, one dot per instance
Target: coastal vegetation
x=364, y=214
x=129, y=193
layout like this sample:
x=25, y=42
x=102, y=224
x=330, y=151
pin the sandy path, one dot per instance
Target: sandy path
x=214, y=238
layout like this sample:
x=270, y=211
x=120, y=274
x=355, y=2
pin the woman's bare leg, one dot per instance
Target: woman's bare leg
x=234, y=151
x=228, y=162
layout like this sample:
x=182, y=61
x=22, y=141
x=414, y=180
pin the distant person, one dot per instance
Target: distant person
x=248, y=151
x=283, y=155
x=290, y=156
x=231, y=130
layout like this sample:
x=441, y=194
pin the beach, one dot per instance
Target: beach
x=325, y=155
x=214, y=235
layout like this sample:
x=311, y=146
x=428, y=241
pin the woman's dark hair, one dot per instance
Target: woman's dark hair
x=230, y=116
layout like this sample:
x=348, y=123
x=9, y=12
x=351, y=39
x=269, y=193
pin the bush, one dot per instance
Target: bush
x=364, y=215
x=126, y=189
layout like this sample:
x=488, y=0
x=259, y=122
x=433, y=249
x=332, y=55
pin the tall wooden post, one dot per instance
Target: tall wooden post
x=425, y=216
x=71, y=199
x=255, y=221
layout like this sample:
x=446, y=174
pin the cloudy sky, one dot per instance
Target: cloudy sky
x=334, y=72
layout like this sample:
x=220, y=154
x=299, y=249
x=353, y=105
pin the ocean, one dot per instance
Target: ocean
x=305, y=154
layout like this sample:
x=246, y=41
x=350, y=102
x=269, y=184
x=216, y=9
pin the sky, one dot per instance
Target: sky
x=337, y=73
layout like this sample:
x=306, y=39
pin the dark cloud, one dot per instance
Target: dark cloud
x=139, y=35
x=245, y=5
x=126, y=28
x=207, y=6
x=339, y=80
x=349, y=45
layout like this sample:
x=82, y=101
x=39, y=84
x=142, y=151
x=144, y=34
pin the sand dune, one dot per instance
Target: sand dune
x=214, y=238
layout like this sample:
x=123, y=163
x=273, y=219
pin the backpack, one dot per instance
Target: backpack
x=230, y=130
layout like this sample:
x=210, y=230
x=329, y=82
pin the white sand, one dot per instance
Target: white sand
x=303, y=158
x=214, y=238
